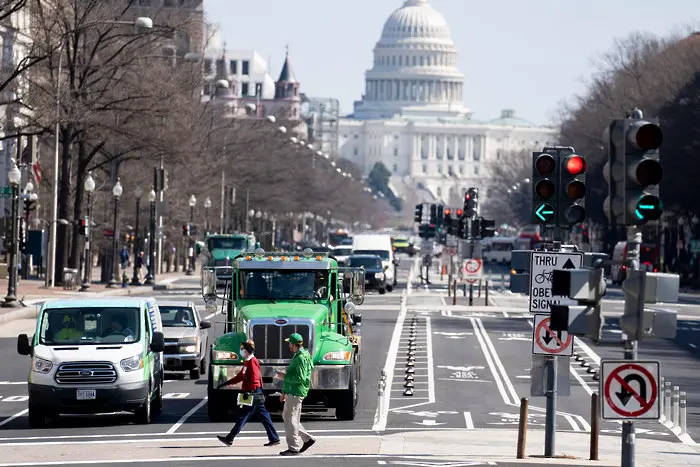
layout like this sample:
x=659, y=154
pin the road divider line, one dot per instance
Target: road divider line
x=584, y=423
x=489, y=362
x=468, y=420
x=185, y=417
x=431, y=364
x=13, y=417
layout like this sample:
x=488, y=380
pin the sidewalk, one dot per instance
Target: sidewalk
x=31, y=292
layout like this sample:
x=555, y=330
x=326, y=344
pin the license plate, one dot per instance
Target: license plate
x=86, y=394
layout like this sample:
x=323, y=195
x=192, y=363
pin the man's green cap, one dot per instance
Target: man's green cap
x=295, y=339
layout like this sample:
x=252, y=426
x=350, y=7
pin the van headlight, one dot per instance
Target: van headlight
x=132, y=363
x=340, y=356
x=221, y=355
x=40, y=365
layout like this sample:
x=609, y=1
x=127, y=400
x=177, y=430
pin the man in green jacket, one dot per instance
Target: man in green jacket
x=297, y=379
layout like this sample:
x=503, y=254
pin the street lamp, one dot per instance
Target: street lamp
x=141, y=22
x=151, y=276
x=14, y=176
x=137, y=251
x=192, y=202
x=89, y=187
x=207, y=205
x=117, y=191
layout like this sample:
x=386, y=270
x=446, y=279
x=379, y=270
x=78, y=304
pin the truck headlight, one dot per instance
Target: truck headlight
x=40, y=365
x=132, y=363
x=339, y=356
x=191, y=349
x=222, y=355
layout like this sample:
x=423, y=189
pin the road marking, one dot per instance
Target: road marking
x=489, y=362
x=9, y=419
x=468, y=420
x=184, y=418
x=431, y=369
x=9, y=383
x=208, y=317
x=176, y=395
x=15, y=399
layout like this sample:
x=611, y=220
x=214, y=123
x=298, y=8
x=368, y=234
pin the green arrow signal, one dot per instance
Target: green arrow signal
x=544, y=212
x=649, y=207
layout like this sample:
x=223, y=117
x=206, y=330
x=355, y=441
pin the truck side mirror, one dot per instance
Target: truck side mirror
x=23, y=347
x=208, y=282
x=158, y=342
x=357, y=286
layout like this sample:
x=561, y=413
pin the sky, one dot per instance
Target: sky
x=527, y=55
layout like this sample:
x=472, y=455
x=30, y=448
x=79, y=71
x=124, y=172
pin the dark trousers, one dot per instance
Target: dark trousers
x=246, y=412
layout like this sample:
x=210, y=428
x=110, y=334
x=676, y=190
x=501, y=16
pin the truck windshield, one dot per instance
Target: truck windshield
x=223, y=243
x=279, y=284
x=89, y=325
x=367, y=263
x=176, y=316
x=383, y=254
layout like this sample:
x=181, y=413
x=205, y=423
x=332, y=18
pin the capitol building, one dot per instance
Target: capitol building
x=412, y=116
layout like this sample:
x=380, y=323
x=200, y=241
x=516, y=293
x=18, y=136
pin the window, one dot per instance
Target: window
x=354, y=151
x=226, y=243
x=233, y=66
x=281, y=284
x=438, y=191
x=244, y=89
x=476, y=170
x=89, y=325
x=460, y=154
x=177, y=316
x=425, y=168
x=207, y=65
x=245, y=64
x=206, y=89
x=450, y=156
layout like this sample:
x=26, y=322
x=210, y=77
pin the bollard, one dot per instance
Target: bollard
x=661, y=399
x=471, y=294
x=454, y=296
x=595, y=421
x=380, y=395
x=667, y=399
x=478, y=293
x=682, y=409
x=486, y=294
x=442, y=272
x=503, y=281
x=522, y=429
x=449, y=287
x=464, y=289
x=675, y=400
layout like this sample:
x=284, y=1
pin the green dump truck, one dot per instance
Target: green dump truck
x=219, y=250
x=272, y=295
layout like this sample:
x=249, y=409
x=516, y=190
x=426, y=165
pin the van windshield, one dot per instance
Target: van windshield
x=383, y=254
x=226, y=243
x=89, y=326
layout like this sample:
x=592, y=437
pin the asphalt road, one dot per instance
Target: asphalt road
x=470, y=370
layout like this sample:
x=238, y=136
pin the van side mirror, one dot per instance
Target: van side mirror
x=204, y=325
x=23, y=347
x=158, y=342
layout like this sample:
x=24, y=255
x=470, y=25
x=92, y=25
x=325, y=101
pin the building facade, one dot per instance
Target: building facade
x=412, y=118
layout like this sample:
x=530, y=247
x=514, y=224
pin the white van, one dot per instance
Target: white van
x=95, y=356
x=380, y=245
x=497, y=249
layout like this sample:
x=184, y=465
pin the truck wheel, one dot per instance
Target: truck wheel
x=194, y=373
x=37, y=416
x=143, y=413
x=390, y=288
x=215, y=409
x=348, y=401
x=382, y=291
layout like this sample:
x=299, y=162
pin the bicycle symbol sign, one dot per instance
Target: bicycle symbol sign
x=542, y=266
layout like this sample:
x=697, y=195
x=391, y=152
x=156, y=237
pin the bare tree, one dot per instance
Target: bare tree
x=509, y=192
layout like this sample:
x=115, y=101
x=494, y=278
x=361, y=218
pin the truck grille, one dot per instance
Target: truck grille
x=86, y=373
x=269, y=340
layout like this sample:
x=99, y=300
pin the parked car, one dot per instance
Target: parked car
x=186, y=337
x=375, y=273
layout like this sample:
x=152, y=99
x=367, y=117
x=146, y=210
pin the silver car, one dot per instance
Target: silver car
x=186, y=337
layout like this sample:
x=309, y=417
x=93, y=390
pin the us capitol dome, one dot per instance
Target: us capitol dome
x=412, y=116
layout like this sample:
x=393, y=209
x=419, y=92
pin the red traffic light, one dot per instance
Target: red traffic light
x=459, y=212
x=575, y=165
x=545, y=164
x=467, y=197
x=447, y=211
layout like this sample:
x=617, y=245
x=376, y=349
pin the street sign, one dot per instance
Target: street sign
x=473, y=270
x=108, y=233
x=548, y=342
x=539, y=375
x=630, y=390
x=542, y=264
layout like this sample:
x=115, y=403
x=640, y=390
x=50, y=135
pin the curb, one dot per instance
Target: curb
x=27, y=312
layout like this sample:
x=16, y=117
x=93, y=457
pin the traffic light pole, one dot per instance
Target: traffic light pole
x=551, y=366
x=634, y=242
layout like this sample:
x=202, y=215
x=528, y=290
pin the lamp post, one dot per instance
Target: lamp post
x=151, y=276
x=142, y=22
x=116, y=192
x=192, y=202
x=14, y=176
x=89, y=187
x=137, y=251
x=207, y=205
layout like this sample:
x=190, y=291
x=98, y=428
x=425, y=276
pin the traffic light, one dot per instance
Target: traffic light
x=447, y=221
x=418, y=214
x=572, y=192
x=433, y=214
x=644, y=172
x=84, y=226
x=186, y=230
x=487, y=228
x=544, y=167
x=587, y=287
x=440, y=216
x=471, y=203
x=640, y=288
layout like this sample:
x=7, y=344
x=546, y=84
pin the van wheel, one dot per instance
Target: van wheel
x=37, y=416
x=157, y=404
x=143, y=414
x=194, y=373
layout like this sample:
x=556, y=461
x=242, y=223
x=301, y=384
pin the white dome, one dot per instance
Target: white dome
x=416, y=22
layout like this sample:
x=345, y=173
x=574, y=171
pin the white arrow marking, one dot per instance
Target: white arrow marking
x=176, y=395
x=460, y=368
x=428, y=423
x=440, y=333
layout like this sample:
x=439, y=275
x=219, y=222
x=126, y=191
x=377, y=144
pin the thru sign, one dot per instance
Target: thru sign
x=542, y=265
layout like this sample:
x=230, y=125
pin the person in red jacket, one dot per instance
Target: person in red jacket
x=251, y=382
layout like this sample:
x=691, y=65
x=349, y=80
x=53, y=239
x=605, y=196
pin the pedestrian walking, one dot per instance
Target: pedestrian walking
x=297, y=380
x=251, y=399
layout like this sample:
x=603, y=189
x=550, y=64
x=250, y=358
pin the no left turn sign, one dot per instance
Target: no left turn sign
x=630, y=390
x=545, y=341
